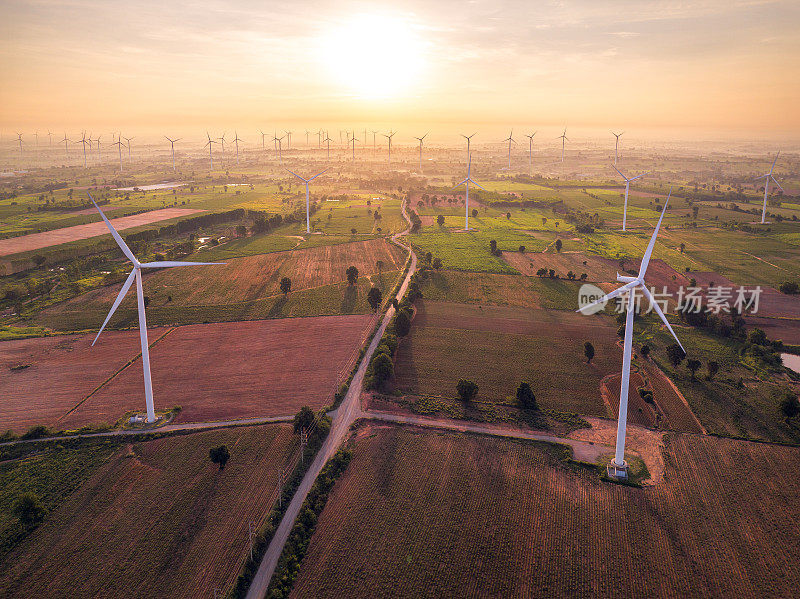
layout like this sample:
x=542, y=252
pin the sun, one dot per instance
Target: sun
x=374, y=56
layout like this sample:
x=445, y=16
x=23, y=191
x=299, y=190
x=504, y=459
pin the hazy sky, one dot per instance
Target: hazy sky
x=725, y=64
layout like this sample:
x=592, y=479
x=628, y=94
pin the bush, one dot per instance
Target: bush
x=303, y=419
x=352, y=275
x=440, y=220
x=467, y=390
x=789, y=406
x=382, y=368
x=646, y=394
x=525, y=396
x=374, y=298
x=220, y=455
x=588, y=351
x=29, y=509
x=789, y=288
x=675, y=354
x=402, y=324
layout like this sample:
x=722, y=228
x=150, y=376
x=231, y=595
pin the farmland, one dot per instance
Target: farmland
x=154, y=518
x=458, y=515
x=68, y=384
x=498, y=347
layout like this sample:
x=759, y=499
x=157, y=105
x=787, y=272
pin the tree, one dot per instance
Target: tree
x=382, y=368
x=440, y=220
x=352, y=275
x=303, y=419
x=588, y=351
x=693, y=365
x=493, y=246
x=437, y=263
x=29, y=509
x=675, y=354
x=467, y=390
x=402, y=324
x=645, y=351
x=789, y=406
x=683, y=247
x=508, y=215
x=559, y=245
x=374, y=297
x=286, y=285
x=789, y=288
x=525, y=396
x=713, y=368
x=757, y=337
x=474, y=212
x=522, y=249
x=219, y=455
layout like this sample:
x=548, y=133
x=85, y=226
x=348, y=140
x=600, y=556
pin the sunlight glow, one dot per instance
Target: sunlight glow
x=374, y=56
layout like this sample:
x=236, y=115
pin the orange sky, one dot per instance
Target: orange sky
x=716, y=64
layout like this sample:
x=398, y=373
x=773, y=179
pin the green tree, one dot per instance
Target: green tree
x=588, y=351
x=467, y=390
x=29, y=509
x=286, y=285
x=789, y=406
x=493, y=246
x=402, y=324
x=713, y=368
x=559, y=245
x=645, y=351
x=374, y=297
x=352, y=275
x=474, y=212
x=440, y=220
x=219, y=455
x=757, y=337
x=789, y=288
x=303, y=419
x=675, y=354
x=382, y=368
x=525, y=396
x=428, y=257
x=522, y=249
x=693, y=365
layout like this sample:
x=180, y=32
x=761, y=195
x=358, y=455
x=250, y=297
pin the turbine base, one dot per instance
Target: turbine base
x=618, y=472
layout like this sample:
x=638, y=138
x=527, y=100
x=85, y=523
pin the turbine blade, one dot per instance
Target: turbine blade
x=609, y=296
x=651, y=245
x=774, y=180
x=773, y=163
x=171, y=263
x=638, y=176
x=117, y=237
x=477, y=184
x=120, y=297
x=658, y=309
x=459, y=184
x=318, y=174
x=298, y=176
x=620, y=174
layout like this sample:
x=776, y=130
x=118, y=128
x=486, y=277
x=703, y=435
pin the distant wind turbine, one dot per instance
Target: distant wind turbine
x=236, y=141
x=530, y=150
x=619, y=467
x=389, y=137
x=374, y=146
x=66, y=148
x=222, y=141
x=627, y=189
x=279, y=141
x=263, y=135
x=119, y=145
x=768, y=176
x=210, y=155
x=136, y=274
x=99, y=157
x=564, y=139
x=353, y=141
x=307, y=181
x=128, y=140
x=328, y=140
x=50, y=136
x=466, y=182
x=172, y=145
x=420, y=150
x=468, y=138
x=616, y=146
x=510, y=140
x=19, y=139
x=288, y=140
x=83, y=142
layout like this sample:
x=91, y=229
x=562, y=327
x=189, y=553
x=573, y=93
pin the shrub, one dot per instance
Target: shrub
x=525, y=396
x=588, y=351
x=789, y=288
x=675, y=354
x=402, y=324
x=29, y=509
x=467, y=390
x=220, y=455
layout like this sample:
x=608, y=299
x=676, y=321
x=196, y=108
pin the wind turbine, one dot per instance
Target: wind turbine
x=263, y=146
x=128, y=140
x=50, y=136
x=468, y=138
x=172, y=144
x=82, y=141
x=420, y=149
x=222, y=140
x=374, y=146
x=354, y=140
x=288, y=139
x=208, y=143
x=99, y=157
x=136, y=273
x=530, y=150
x=307, y=132
x=328, y=140
x=616, y=146
x=618, y=464
x=564, y=140
x=236, y=140
x=768, y=176
x=467, y=181
x=627, y=188
x=307, y=181
x=510, y=140
x=389, y=137
x=119, y=145
x=66, y=148
x=19, y=139
x=279, y=140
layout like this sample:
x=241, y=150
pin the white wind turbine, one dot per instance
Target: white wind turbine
x=82, y=141
x=618, y=467
x=627, y=188
x=468, y=138
x=279, y=141
x=328, y=140
x=172, y=145
x=307, y=181
x=19, y=139
x=768, y=176
x=353, y=141
x=136, y=274
x=50, y=136
x=263, y=135
x=236, y=141
x=66, y=147
x=616, y=146
x=209, y=144
x=128, y=141
x=530, y=149
x=420, y=150
x=510, y=140
x=389, y=137
x=564, y=139
x=466, y=182
x=119, y=145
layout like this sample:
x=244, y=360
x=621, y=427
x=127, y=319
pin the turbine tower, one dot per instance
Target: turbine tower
x=236, y=141
x=468, y=138
x=374, y=146
x=619, y=467
x=128, y=141
x=420, y=149
x=172, y=145
x=466, y=182
x=328, y=140
x=66, y=148
x=82, y=141
x=119, y=145
x=627, y=188
x=263, y=135
x=389, y=137
x=136, y=273
x=279, y=140
x=99, y=157
x=19, y=139
x=208, y=143
x=510, y=140
x=564, y=140
x=616, y=146
x=353, y=141
x=50, y=136
x=530, y=150
x=288, y=140
x=768, y=176
x=222, y=141
x=307, y=181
